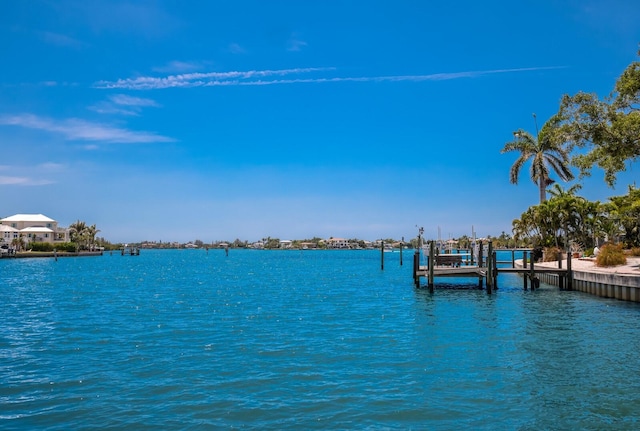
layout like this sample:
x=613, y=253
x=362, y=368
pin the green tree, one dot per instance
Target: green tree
x=609, y=128
x=18, y=243
x=624, y=216
x=91, y=232
x=79, y=234
x=546, y=151
x=565, y=219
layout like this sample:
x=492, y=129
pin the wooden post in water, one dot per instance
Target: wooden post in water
x=532, y=275
x=495, y=270
x=432, y=261
x=560, y=277
x=489, y=274
x=569, y=273
x=382, y=256
x=401, y=245
x=416, y=268
x=525, y=256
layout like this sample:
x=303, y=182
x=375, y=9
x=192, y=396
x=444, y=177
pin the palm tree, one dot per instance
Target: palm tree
x=18, y=243
x=78, y=233
x=545, y=151
x=92, y=231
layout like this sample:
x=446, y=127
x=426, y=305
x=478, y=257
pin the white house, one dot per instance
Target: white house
x=8, y=234
x=32, y=228
x=286, y=243
x=337, y=243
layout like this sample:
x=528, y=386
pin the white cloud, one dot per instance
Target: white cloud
x=123, y=99
x=123, y=104
x=109, y=108
x=51, y=166
x=46, y=168
x=179, y=67
x=295, y=44
x=272, y=77
x=22, y=181
x=235, y=48
x=198, y=79
x=77, y=129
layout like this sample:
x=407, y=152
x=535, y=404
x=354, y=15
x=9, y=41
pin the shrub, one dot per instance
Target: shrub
x=551, y=254
x=635, y=251
x=41, y=246
x=611, y=255
x=71, y=247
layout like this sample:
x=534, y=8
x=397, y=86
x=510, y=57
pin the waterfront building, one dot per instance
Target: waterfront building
x=337, y=243
x=32, y=228
x=286, y=243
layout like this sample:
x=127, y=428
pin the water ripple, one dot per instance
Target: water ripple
x=303, y=340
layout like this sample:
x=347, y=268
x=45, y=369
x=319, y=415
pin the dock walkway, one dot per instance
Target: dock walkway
x=486, y=269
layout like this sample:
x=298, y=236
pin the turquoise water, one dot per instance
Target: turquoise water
x=185, y=339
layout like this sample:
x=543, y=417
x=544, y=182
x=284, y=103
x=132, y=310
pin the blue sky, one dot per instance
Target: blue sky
x=176, y=121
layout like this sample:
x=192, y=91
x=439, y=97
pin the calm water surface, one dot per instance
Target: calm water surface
x=186, y=339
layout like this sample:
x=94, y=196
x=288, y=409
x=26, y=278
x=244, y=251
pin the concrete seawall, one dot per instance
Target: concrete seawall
x=39, y=254
x=620, y=282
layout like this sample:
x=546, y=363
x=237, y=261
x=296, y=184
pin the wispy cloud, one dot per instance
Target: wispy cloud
x=81, y=130
x=286, y=76
x=62, y=40
x=179, y=67
x=22, y=181
x=235, y=48
x=145, y=18
x=47, y=168
x=123, y=99
x=200, y=79
x=295, y=43
x=124, y=105
x=51, y=167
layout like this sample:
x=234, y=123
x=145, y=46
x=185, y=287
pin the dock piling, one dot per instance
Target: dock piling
x=416, y=268
x=525, y=256
x=432, y=261
x=490, y=268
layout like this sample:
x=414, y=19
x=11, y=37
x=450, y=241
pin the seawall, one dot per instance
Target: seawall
x=621, y=282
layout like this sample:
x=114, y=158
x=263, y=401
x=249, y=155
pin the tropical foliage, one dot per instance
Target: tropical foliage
x=562, y=220
x=609, y=128
x=624, y=217
x=82, y=235
x=19, y=243
x=611, y=255
x=599, y=133
x=47, y=246
x=546, y=152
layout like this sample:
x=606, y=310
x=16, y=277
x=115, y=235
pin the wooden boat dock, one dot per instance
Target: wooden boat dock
x=130, y=251
x=486, y=270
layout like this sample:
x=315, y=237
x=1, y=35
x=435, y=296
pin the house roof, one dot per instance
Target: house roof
x=29, y=218
x=35, y=229
x=7, y=228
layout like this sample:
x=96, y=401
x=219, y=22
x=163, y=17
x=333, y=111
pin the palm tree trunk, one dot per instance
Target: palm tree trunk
x=543, y=189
